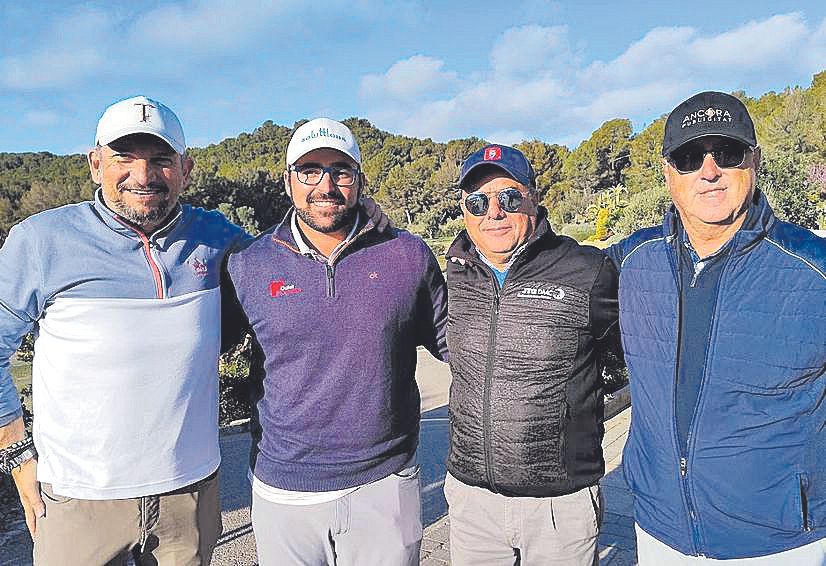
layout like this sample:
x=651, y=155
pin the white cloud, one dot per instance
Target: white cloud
x=409, y=79
x=538, y=85
x=82, y=43
x=526, y=50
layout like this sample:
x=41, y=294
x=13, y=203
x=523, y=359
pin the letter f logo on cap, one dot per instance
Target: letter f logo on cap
x=493, y=153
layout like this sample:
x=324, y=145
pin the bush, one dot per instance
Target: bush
x=234, y=400
x=644, y=209
x=578, y=232
x=790, y=191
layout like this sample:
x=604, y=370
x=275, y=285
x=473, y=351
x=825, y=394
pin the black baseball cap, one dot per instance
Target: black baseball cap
x=508, y=159
x=708, y=114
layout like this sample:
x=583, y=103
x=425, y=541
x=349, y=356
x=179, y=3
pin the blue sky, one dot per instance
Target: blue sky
x=503, y=71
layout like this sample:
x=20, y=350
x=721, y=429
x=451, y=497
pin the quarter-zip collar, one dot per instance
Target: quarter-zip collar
x=284, y=235
x=304, y=247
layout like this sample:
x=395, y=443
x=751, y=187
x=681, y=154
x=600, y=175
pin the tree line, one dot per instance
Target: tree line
x=608, y=186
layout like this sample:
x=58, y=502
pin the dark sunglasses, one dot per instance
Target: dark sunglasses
x=509, y=200
x=689, y=158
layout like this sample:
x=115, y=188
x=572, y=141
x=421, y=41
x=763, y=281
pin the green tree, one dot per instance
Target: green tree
x=645, y=159
x=547, y=160
x=599, y=161
x=792, y=196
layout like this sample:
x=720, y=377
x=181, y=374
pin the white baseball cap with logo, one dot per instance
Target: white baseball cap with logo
x=322, y=133
x=140, y=115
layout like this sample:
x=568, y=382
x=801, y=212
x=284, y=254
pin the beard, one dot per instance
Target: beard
x=151, y=215
x=326, y=222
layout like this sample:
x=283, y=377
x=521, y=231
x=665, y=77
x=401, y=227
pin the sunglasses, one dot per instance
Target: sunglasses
x=689, y=158
x=509, y=200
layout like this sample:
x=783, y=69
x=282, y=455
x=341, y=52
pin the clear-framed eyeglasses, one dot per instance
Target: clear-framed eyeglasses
x=340, y=175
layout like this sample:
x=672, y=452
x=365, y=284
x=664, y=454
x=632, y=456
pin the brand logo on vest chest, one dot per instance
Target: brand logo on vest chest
x=551, y=294
x=280, y=288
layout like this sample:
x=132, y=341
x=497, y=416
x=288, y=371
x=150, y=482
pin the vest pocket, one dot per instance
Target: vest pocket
x=803, y=483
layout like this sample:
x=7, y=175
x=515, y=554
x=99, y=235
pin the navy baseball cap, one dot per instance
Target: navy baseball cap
x=708, y=114
x=508, y=159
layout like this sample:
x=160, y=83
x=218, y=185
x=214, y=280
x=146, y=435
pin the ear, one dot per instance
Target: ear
x=95, y=165
x=287, y=188
x=187, y=164
x=756, y=158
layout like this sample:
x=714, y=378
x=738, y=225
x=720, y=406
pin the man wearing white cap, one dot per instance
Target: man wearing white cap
x=123, y=293
x=336, y=310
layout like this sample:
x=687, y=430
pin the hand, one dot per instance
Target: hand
x=375, y=214
x=25, y=478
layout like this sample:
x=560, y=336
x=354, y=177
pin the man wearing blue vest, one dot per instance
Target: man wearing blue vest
x=723, y=322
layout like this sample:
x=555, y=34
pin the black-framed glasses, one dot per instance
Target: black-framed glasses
x=341, y=175
x=509, y=200
x=689, y=158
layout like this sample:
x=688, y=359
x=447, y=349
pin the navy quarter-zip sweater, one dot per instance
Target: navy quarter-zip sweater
x=336, y=403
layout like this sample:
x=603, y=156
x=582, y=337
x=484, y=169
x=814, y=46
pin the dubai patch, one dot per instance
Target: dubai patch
x=280, y=288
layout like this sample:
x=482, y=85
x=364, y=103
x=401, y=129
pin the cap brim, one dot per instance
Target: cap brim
x=338, y=149
x=741, y=139
x=495, y=164
x=129, y=131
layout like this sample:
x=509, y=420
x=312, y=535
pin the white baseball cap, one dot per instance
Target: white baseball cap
x=140, y=115
x=322, y=132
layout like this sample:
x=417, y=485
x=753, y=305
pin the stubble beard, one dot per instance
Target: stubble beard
x=327, y=223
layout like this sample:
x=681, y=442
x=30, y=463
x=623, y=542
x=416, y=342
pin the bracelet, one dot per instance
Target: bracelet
x=16, y=454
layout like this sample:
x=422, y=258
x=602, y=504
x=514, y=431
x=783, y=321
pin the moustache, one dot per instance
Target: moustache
x=331, y=197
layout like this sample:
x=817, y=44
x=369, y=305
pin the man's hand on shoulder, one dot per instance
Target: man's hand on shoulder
x=25, y=478
x=375, y=213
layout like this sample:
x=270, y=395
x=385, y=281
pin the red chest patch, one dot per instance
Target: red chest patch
x=279, y=288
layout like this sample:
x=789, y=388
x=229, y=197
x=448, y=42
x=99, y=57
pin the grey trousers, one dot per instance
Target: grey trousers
x=652, y=552
x=179, y=528
x=379, y=524
x=488, y=529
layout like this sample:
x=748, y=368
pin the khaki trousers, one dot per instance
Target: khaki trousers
x=489, y=529
x=178, y=528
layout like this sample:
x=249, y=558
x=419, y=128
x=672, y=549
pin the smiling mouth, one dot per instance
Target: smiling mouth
x=327, y=203
x=497, y=230
x=144, y=191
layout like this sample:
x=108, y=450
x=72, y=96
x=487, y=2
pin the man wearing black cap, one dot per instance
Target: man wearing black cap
x=723, y=321
x=528, y=312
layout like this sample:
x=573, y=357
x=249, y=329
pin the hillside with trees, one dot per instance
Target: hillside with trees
x=606, y=187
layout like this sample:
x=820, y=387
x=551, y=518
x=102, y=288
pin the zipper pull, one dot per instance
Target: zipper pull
x=683, y=467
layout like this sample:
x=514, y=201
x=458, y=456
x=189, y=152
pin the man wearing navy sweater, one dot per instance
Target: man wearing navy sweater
x=336, y=310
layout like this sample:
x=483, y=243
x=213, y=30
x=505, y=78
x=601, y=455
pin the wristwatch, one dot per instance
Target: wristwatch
x=16, y=454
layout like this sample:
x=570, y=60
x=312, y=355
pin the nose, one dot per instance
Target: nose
x=141, y=171
x=710, y=171
x=326, y=184
x=494, y=211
